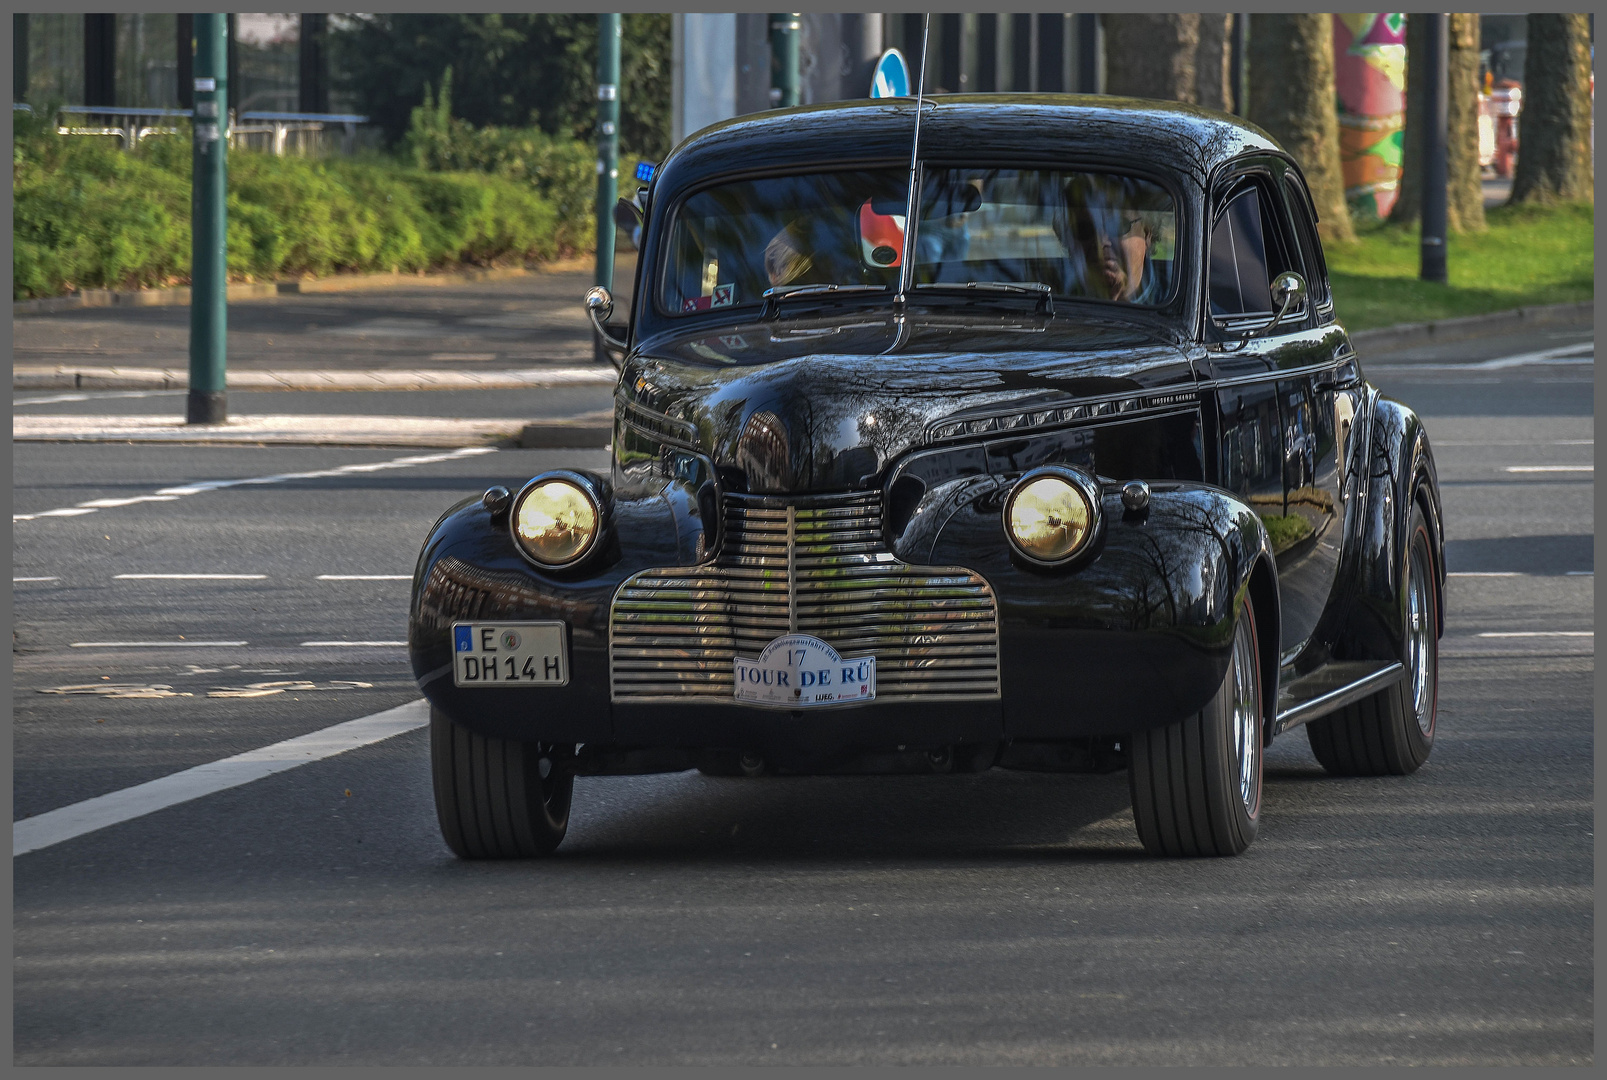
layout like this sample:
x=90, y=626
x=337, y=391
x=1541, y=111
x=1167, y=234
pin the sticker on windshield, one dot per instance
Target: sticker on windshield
x=724, y=296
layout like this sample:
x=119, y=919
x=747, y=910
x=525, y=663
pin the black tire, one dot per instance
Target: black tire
x=1392, y=732
x=497, y=798
x=1196, y=784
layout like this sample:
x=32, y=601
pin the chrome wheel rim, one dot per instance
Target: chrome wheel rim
x=1420, y=637
x=1246, y=718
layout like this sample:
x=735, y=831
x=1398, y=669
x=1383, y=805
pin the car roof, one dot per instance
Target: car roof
x=1160, y=136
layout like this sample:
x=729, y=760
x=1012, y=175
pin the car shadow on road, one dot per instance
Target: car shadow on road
x=998, y=815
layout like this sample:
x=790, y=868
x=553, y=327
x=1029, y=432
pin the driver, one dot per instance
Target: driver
x=1110, y=239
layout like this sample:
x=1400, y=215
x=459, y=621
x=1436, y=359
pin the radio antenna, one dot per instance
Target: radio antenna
x=906, y=270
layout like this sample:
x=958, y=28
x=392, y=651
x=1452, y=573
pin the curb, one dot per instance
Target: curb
x=180, y=297
x=41, y=377
x=1390, y=338
x=585, y=431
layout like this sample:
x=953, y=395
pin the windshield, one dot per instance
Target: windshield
x=1084, y=235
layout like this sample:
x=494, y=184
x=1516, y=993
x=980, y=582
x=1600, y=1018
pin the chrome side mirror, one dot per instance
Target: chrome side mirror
x=1289, y=293
x=628, y=222
x=600, y=305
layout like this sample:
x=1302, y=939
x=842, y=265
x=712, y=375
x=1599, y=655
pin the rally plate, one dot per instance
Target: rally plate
x=799, y=671
x=510, y=654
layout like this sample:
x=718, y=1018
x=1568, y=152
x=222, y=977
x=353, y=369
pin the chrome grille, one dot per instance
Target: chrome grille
x=815, y=566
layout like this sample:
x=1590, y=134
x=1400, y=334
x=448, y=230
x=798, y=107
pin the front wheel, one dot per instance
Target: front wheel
x=1392, y=732
x=497, y=798
x=1196, y=784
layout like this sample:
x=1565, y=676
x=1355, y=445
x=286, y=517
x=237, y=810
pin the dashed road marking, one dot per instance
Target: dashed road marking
x=1550, y=468
x=158, y=644
x=353, y=644
x=67, y=822
x=17, y=579
x=1537, y=633
x=365, y=577
x=190, y=577
x=170, y=493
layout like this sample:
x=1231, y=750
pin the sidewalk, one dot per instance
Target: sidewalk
x=376, y=332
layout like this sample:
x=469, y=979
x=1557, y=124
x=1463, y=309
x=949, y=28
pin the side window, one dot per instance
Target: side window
x=1239, y=278
x=1249, y=247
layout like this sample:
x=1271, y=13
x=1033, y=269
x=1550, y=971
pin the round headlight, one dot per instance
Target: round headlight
x=555, y=521
x=1049, y=518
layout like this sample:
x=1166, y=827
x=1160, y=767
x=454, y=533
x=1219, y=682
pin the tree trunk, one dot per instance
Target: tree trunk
x=1554, y=162
x=1213, y=80
x=1151, y=56
x=1465, y=186
x=1292, y=97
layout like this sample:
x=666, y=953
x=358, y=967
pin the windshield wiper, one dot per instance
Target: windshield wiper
x=774, y=296
x=1043, y=292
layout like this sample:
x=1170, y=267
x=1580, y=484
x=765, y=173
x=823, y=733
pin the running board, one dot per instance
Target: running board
x=1332, y=687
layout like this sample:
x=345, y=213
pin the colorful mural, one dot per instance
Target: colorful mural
x=1370, y=78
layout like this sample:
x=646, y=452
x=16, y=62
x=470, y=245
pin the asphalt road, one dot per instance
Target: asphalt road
x=1010, y=918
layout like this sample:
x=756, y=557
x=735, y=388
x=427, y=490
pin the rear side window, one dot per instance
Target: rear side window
x=1249, y=247
x=1316, y=270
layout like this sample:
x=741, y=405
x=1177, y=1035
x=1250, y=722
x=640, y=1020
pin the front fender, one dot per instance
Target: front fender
x=470, y=570
x=1137, y=635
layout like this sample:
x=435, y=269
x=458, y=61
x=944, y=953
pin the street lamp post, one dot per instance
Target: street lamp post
x=784, y=33
x=209, y=307
x=608, y=31
x=1436, y=167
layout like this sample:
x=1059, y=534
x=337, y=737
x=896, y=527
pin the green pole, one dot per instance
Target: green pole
x=209, y=308
x=608, y=32
x=785, y=31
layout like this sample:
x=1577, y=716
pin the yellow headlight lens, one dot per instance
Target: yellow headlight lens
x=1050, y=517
x=556, y=522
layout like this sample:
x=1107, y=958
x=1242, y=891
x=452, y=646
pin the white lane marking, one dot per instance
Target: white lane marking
x=1551, y=468
x=353, y=644
x=106, y=504
x=67, y=822
x=157, y=644
x=1539, y=633
x=1514, y=442
x=171, y=493
x=1563, y=354
x=17, y=579
x=365, y=577
x=57, y=398
x=189, y=577
x=1516, y=573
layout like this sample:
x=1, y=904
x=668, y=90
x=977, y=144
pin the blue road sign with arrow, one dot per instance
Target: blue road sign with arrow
x=892, y=78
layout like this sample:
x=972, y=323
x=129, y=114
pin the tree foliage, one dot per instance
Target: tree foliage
x=511, y=70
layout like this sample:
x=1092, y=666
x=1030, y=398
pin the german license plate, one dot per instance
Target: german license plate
x=509, y=654
x=798, y=671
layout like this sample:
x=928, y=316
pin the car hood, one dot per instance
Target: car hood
x=796, y=406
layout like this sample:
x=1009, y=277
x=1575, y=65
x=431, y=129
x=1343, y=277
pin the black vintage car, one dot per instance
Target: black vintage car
x=1025, y=435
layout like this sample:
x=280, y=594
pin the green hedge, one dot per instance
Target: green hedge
x=88, y=215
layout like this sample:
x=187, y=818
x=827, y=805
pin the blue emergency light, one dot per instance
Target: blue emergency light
x=644, y=171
